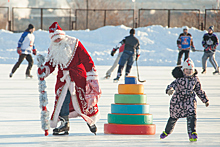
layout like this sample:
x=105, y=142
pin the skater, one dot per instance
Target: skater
x=77, y=88
x=184, y=43
x=210, y=43
x=130, y=54
x=183, y=102
x=115, y=64
x=24, y=49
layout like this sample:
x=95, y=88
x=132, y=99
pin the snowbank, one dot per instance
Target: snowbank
x=158, y=44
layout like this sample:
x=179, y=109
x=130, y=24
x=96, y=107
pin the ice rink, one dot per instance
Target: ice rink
x=20, y=113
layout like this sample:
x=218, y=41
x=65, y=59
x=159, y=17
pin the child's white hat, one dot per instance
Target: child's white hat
x=188, y=63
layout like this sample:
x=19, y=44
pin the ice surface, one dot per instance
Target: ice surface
x=20, y=113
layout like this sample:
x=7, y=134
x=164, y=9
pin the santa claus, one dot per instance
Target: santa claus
x=77, y=89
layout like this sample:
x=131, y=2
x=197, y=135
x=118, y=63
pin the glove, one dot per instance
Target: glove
x=213, y=47
x=40, y=71
x=193, y=49
x=34, y=51
x=19, y=50
x=208, y=48
x=179, y=47
x=113, y=52
x=207, y=104
x=170, y=91
x=93, y=92
x=137, y=57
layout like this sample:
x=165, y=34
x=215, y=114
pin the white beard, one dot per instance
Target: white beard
x=60, y=53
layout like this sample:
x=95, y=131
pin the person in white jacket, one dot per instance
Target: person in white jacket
x=24, y=49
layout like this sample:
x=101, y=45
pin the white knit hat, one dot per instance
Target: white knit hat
x=188, y=64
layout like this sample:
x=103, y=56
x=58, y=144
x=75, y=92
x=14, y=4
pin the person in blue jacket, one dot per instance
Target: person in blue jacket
x=24, y=49
x=184, y=43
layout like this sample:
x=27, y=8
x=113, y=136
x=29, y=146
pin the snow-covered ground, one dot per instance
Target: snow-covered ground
x=20, y=113
x=158, y=44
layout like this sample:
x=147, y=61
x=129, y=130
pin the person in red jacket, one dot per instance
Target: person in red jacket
x=77, y=89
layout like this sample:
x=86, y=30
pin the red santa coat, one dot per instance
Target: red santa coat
x=73, y=78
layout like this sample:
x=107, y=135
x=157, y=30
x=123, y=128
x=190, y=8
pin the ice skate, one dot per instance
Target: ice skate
x=193, y=137
x=116, y=79
x=163, y=135
x=107, y=77
x=29, y=76
x=63, y=128
x=216, y=72
x=92, y=128
x=204, y=71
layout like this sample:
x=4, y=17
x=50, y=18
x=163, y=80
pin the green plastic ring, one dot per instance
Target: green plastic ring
x=131, y=98
x=130, y=119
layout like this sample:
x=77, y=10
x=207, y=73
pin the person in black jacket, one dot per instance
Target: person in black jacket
x=130, y=54
x=210, y=42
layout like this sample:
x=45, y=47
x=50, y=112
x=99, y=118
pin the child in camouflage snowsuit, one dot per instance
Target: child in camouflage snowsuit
x=183, y=102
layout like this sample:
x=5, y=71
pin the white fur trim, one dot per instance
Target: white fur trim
x=65, y=74
x=92, y=75
x=57, y=34
x=47, y=71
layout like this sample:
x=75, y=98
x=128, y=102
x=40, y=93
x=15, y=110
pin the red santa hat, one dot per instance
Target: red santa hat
x=55, y=31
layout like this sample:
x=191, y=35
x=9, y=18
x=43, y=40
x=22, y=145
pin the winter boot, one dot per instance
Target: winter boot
x=163, y=135
x=29, y=76
x=64, y=126
x=11, y=74
x=193, y=137
x=204, y=71
x=92, y=128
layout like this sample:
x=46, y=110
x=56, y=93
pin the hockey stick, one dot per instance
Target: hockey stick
x=199, y=51
x=209, y=50
x=138, y=74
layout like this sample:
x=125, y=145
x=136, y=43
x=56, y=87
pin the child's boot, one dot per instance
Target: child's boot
x=193, y=136
x=163, y=135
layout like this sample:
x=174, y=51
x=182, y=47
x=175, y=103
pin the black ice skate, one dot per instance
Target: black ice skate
x=116, y=79
x=63, y=128
x=204, y=71
x=216, y=72
x=29, y=76
x=93, y=128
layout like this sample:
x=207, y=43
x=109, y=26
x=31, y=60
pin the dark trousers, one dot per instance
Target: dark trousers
x=181, y=54
x=65, y=107
x=127, y=70
x=128, y=58
x=20, y=59
x=191, y=124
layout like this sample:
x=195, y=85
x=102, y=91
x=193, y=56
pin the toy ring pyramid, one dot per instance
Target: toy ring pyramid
x=130, y=114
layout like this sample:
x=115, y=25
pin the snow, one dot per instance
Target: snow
x=158, y=44
x=20, y=113
x=19, y=107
